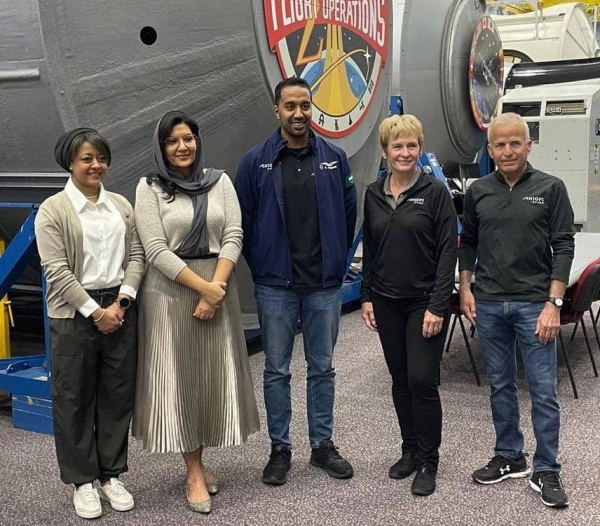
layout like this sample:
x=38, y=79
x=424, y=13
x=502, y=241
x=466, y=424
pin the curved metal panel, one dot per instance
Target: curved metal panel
x=434, y=74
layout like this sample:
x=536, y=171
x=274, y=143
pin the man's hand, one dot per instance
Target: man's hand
x=204, y=310
x=467, y=304
x=432, y=324
x=368, y=316
x=548, y=323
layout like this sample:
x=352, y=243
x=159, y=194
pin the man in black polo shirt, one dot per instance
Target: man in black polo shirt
x=298, y=203
x=518, y=237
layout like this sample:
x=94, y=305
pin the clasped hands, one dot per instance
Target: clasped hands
x=109, y=319
x=212, y=296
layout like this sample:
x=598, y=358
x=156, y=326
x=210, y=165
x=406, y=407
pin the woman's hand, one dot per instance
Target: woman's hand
x=214, y=292
x=110, y=318
x=204, y=310
x=432, y=324
x=368, y=316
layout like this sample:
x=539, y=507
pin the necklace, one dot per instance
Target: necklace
x=92, y=196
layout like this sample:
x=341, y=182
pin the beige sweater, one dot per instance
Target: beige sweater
x=60, y=245
x=163, y=224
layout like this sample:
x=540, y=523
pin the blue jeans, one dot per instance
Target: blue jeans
x=278, y=314
x=501, y=325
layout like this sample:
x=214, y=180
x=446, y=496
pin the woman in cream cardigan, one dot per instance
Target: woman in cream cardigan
x=93, y=262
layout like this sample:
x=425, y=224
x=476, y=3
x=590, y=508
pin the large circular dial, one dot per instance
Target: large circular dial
x=486, y=72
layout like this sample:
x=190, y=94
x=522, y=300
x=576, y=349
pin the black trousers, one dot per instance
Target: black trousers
x=413, y=362
x=93, y=385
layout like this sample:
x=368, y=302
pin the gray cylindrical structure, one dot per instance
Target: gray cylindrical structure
x=527, y=74
x=119, y=65
x=434, y=62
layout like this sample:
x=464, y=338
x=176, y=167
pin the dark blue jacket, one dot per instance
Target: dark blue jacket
x=259, y=185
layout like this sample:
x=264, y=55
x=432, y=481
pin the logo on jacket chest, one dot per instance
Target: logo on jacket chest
x=535, y=200
x=416, y=200
x=328, y=166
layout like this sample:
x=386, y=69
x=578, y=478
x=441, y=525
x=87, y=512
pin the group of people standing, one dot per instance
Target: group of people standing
x=145, y=317
x=518, y=240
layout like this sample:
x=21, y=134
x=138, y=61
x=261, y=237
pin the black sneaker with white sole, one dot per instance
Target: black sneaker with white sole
x=501, y=468
x=550, y=485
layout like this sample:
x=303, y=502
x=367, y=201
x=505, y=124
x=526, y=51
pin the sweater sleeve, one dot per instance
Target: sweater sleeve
x=134, y=269
x=445, y=227
x=247, y=202
x=231, y=242
x=152, y=233
x=467, y=250
x=52, y=250
x=562, y=233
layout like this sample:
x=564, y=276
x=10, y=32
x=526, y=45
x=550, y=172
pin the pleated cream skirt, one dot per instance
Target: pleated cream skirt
x=194, y=385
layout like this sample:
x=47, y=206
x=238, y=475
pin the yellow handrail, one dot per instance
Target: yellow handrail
x=6, y=318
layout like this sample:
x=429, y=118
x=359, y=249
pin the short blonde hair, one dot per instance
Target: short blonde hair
x=397, y=126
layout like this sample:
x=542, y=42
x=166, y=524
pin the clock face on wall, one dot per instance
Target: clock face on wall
x=486, y=72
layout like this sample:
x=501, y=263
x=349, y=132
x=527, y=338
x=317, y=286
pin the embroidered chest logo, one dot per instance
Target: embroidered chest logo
x=266, y=166
x=329, y=166
x=535, y=200
x=417, y=200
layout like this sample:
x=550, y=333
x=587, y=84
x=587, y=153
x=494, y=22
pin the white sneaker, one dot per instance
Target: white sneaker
x=120, y=499
x=86, y=502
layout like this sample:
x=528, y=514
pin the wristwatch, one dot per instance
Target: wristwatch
x=557, y=302
x=124, y=303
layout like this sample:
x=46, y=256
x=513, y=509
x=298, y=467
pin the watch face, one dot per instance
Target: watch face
x=124, y=303
x=558, y=302
x=486, y=72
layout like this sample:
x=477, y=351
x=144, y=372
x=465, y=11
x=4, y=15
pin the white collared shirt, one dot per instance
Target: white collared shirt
x=103, y=244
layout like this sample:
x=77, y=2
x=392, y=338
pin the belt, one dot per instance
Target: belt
x=202, y=256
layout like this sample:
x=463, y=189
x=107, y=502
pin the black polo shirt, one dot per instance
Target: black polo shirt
x=302, y=217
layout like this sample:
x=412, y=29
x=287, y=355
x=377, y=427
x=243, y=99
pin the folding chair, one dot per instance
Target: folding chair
x=578, y=300
x=456, y=313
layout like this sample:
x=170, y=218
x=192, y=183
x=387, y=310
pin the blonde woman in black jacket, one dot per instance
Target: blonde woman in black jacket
x=409, y=259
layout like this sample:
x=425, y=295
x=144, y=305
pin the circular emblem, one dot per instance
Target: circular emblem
x=486, y=72
x=339, y=47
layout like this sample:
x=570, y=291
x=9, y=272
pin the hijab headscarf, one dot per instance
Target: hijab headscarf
x=63, y=146
x=196, y=242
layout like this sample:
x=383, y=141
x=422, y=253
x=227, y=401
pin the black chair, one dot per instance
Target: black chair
x=578, y=301
x=456, y=314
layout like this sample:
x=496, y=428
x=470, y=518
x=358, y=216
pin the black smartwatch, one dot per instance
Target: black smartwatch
x=557, y=302
x=124, y=303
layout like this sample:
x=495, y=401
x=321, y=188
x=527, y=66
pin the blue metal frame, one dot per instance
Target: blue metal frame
x=428, y=161
x=20, y=250
x=353, y=279
x=24, y=375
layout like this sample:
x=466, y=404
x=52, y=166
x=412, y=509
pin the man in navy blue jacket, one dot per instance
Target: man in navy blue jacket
x=298, y=202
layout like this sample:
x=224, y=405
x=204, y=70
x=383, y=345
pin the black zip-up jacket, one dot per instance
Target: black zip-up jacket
x=521, y=239
x=410, y=251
